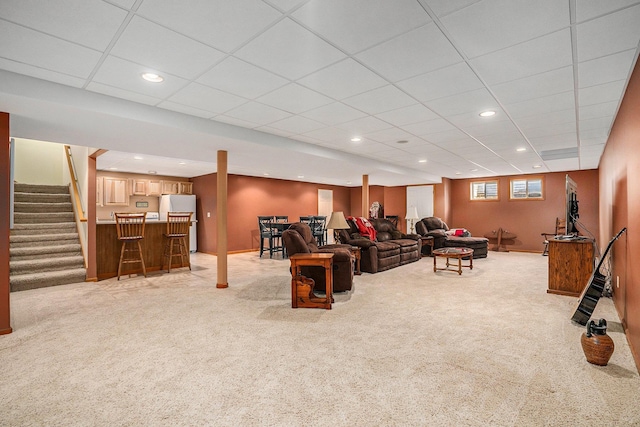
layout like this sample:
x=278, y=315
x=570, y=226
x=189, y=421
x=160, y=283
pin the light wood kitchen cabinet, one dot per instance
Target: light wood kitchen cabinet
x=99, y=192
x=154, y=187
x=170, y=187
x=186, y=188
x=116, y=191
x=139, y=187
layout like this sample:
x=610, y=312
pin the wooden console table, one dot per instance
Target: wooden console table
x=302, y=287
x=570, y=266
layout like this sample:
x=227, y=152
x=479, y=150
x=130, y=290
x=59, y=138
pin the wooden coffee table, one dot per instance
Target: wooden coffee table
x=448, y=253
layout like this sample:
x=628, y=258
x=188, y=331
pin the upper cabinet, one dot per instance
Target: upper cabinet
x=170, y=187
x=116, y=191
x=99, y=191
x=186, y=188
x=139, y=187
x=154, y=187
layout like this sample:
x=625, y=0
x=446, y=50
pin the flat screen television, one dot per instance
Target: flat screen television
x=571, y=205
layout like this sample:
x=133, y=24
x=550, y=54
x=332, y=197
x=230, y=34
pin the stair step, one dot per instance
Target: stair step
x=40, y=188
x=35, y=252
x=46, y=228
x=35, y=240
x=23, y=282
x=28, y=207
x=47, y=264
x=40, y=197
x=39, y=218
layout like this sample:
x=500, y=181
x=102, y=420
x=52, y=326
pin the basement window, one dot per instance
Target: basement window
x=484, y=190
x=527, y=189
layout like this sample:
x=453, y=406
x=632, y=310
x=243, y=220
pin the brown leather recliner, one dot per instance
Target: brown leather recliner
x=436, y=227
x=298, y=238
x=392, y=248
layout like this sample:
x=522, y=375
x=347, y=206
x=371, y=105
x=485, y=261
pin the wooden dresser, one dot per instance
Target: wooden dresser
x=570, y=266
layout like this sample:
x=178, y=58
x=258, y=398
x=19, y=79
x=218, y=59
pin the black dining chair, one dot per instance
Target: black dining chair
x=268, y=232
x=319, y=228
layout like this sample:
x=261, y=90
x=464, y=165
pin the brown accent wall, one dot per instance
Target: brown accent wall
x=5, y=185
x=620, y=207
x=356, y=202
x=249, y=197
x=395, y=203
x=526, y=218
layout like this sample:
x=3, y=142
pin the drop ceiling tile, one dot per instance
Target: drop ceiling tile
x=408, y=115
x=342, y=80
x=364, y=126
x=598, y=110
x=275, y=131
x=294, y=99
x=473, y=101
x=297, y=124
x=99, y=23
x=448, y=136
x=606, y=69
x=40, y=73
x=331, y=134
x=123, y=94
x=358, y=24
x=532, y=107
x=285, y=5
x=150, y=44
x=444, y=7
x=599, y=140
x=562, y=165
x=591, y=151
x=419, y=51
x=289, y=50
x=447, y=81
x=547, y=119
x=601, y=93
x=594, y=133
x=542, y=54
x=500, y=127
x=126, y=75
x=550, y=130
x=505, y=23
x=473, y=120
x=205, y=98
x=601, y=123
x=543, y=84
x=391, y=135
x=552, y=142
x=609, y=34
x=222, y=24
x=380, y=100
x=127, y=4
x=241, y=78
x=587, y=9
x=254, y=112
x=185, y=109
x=27, y=46
x=429, y=127
x=334, y=114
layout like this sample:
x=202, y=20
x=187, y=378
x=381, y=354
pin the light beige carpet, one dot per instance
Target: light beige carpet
x=408, y=347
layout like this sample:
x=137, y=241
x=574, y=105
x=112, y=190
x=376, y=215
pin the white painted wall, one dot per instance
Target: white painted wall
x=38, y=162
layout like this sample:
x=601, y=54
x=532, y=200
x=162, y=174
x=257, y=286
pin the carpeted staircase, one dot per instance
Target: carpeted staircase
x=44, y=244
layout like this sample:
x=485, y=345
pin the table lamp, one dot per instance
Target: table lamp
x=337, y=222
x=412, y=215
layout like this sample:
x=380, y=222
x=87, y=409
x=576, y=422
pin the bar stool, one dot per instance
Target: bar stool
x=130, y=229
x=178, y=224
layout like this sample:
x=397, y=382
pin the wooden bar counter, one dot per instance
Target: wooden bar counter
x=108, y=249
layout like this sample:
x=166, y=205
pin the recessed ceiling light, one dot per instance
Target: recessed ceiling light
x=137, y=157
x=356, y=139
x=474, y=170
x=153, y=77
x=348, y=182
x=113, y=169
x=537, y=166
x=300, y=176
x=152, y=172
x=182, y=163
x=458, y=173
x=265, y=174
x=422, y=161
x=487, y=113
x=402, y=141
x=521, y=149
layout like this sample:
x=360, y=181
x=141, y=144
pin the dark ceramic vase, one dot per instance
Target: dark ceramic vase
x=596, y=344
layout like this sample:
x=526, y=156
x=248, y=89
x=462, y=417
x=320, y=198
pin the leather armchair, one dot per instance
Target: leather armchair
x=298, y=238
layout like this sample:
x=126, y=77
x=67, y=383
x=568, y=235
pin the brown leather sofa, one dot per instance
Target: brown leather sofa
x=437, y=228
x=298, y=238
x=392, y=248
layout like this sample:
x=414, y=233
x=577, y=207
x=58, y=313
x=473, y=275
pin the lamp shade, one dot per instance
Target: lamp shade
x=337, y=221
x=412, y=213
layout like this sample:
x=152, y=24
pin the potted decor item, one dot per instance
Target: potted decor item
x=596, y=344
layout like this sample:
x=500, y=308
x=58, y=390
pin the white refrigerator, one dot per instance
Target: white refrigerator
x=181, y=203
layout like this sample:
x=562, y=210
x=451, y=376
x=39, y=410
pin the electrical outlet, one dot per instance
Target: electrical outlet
x=617, y=282
x=208, y=214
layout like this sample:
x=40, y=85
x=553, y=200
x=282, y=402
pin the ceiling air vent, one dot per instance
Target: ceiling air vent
x=561, y=153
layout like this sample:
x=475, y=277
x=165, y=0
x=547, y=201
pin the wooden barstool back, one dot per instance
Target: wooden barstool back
x=130, y=229
x=178, y=224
